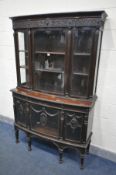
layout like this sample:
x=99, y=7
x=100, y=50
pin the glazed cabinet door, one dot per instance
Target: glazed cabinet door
x=22, y=57
x=73, y=126
x=49, y=60
x=45, y=120
x=82, y=54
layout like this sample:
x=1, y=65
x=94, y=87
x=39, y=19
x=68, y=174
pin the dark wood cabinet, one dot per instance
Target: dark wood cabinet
x=57, y=60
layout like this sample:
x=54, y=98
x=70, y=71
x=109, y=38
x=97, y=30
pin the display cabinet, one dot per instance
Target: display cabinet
x=57, y=60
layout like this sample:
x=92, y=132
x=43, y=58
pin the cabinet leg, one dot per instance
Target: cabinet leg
x=82, y=157
x=16, y=134
x=60, y=155
x=88, y=147
x=29, y=141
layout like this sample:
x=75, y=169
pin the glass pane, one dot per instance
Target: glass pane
x=49, y=73
x=73, y=126
x=81, y=64
x=79, y=85
x=22, y=40
x=49, y=40
x=22, y=58
x=24, y=76
x=49, y=62
x=83, y=40
x=49, y=81
x=45, y=121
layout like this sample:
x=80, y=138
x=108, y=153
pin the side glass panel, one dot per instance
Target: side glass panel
x=83, y=38
x=49, y=55
x=23, y=57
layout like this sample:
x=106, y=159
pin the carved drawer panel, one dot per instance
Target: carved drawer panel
x=45, y=120
x=21, y=109
x=73, y=125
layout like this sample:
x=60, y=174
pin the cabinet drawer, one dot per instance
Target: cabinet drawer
x=73, y=125
x=45, y=120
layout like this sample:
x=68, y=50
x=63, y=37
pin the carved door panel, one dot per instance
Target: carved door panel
x=21, y=113
x=45, y=120
x=73, y=126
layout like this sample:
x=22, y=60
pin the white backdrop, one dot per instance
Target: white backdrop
x=104, y=127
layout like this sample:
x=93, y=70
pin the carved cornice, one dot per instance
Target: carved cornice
x=47, y=22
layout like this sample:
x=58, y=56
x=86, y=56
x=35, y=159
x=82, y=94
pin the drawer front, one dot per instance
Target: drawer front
x=45, y=120
x=21, y=110
x=73, y=126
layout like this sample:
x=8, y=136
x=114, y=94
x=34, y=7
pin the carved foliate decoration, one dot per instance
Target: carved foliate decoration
x=74, y=121
x=23, y=108
x=71, y=22
x=43, y=119
x=26, y=108
x=43, y=115
x=20, y=107
x=43, y=110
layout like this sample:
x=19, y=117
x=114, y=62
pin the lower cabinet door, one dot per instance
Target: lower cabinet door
x=73, y=126
x=21, y=110
x=45, y=120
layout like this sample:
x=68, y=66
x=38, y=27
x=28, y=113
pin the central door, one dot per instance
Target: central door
x=45, y=120
x=49, y=60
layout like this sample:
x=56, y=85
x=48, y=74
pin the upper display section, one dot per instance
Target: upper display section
x=59, y=53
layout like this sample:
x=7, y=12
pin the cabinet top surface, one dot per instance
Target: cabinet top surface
x=98, y=14
x=87, y=103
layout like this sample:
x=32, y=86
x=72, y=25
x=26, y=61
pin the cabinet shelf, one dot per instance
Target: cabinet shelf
x=51, y=53
x=81, y=54
x=46, y=131
x=80, y=74
x=50, y=70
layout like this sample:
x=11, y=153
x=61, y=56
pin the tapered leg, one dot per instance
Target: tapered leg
x=82, y=156
x=16, y=134
x=88, y=147
x=29, y=141
x=82, y=162
x=60, y=155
